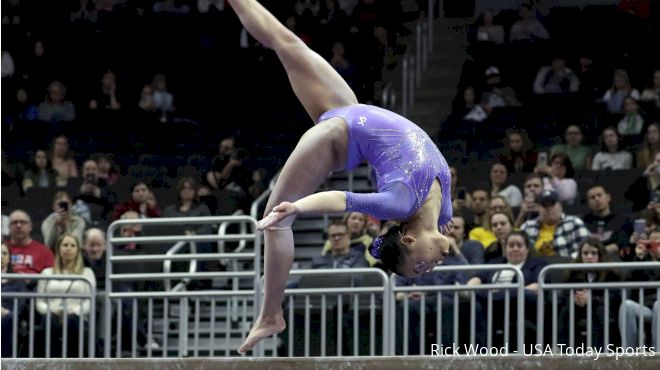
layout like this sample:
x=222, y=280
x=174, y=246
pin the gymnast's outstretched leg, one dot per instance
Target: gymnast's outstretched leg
x=319, y=88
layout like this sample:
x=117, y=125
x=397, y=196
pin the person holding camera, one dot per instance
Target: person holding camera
x=62, y=220
x=228, y=171
x=93, y=190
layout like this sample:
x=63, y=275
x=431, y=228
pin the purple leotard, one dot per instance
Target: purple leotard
x=404, y=159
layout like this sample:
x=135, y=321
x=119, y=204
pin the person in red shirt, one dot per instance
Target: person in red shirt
x=28, y=256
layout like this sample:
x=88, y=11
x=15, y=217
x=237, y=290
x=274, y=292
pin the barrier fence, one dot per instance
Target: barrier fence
x=329, y=312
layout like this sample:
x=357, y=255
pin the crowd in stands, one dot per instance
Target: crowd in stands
x=534, y=201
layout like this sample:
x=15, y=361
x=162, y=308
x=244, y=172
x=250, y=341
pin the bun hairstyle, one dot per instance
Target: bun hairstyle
x=388, y=248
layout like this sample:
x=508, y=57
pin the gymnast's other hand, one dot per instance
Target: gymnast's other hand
x=279, y=213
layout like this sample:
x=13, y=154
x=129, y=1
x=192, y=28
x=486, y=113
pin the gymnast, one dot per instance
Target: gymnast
x=412, y=177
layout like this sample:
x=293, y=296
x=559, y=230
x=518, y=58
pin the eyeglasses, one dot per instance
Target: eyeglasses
x=19, y=222
x=336, y=235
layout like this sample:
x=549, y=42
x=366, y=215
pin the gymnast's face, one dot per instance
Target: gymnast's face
x=424, y=252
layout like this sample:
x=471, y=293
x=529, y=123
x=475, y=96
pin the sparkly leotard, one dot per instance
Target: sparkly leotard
x=404, y=159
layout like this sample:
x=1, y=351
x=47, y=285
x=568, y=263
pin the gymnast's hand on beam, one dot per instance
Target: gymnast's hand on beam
x=279, y=213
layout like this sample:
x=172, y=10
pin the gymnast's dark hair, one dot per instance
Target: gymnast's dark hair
x=388, y=249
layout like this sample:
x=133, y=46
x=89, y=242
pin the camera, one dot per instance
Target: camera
x=90, y=178
x=63, y=205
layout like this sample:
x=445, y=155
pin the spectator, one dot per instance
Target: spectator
x=519, y=155
x=529, y=209
x=488, y=31
x=28, y=255
x=85, y=13
x=556, y=78
x=341, y=254
x=621, y=88
x=652, y=93
x=528, y=28
x=459, y=194
x=650, y=147
x=41, y=173
x=54, y=108
x=496, y=94
x=93, y=190
x=106, y=169
x=559, y=177
x=553, y=232
x=479, y=205
x=590, y=251
x=188, y=206
x=62, y=159
x=484, y=233
x=517, y=253
x=632, y=122
x=227, y=169
x=105, y=99
x=579, y=154
x=345, y=67
x=502, y=225
x=258, y=185
x=162, y=99
x=142, y=202
x=630, y=309
x=62, y=220
x=147, y=102
x=499, y=185
x=68, y=261
x=9, y=306
x=652, y=174
x=611, y=156
x=356, y=223
x=94, y=254
x=610, y=228
x=472, y=250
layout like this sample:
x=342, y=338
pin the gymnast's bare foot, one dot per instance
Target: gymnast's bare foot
x=265, y=326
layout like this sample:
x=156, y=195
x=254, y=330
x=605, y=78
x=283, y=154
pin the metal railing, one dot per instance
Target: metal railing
x=519, y=286
x=553, y=288
x=111, y=277
x=32, y=296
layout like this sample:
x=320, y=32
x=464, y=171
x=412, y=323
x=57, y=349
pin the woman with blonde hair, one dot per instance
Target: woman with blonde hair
x=484, y=234
x=68, y=261
x=356, y=223
x=620, y=89
x=650, y=147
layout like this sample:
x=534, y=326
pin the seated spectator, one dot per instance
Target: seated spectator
x=93, y=190
x=479, y=206
x=652, y=173
x=621, y=88
x=105, y=99
x=605, y=225
x=94, y=247
x=484, y=234
x=162, y=99
x=528, y=28
x=341, y=254
x=650, y=147
x=188, y=206
x=611, y=156
x=41, y=173
x=529, y=209
x=499, y=185
x=54, y=108
x=553, y=232
x=630, y=309
x=632, y=122
x=146, y=102
x=106, y=169
x=9, y=308
x=496, y=94
x=519, y=155
x=579, y=154
x=652, y=93
x=68, y=261
x=488, y=31
x=28, y=256
x=459, y=194
x=142, y=201
x=62, y=220
x=472, y=250
x=227, y=170
x=556, y=78
x=517, y=253
x=62, y=159
x=435, y=278
x=559, y=177
x=502, y=226
x=346, y=68
x=356, y=223
x=258, y=185
x=590, y=251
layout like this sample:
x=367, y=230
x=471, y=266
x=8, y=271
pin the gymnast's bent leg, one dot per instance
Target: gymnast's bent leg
x=319, y=88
